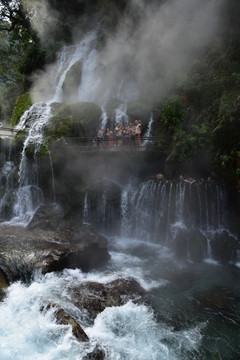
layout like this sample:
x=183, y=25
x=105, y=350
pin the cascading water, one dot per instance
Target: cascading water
x=34, y=120
x=168, y=213
x=29, y=196
x=120, y=114
x=148, y=133
x=184, y=318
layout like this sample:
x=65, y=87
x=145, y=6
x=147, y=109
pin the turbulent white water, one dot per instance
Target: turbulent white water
x=127, y=332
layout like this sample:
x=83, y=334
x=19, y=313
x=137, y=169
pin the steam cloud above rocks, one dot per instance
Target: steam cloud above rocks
x=153, y=44
x=164, y=43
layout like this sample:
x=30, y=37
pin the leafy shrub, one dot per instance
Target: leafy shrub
x=172, y=114
x=185, y=145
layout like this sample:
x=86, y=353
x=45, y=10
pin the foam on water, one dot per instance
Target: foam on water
x=211, y=261
x=126, y=332
x=28, y=333
x=130, y=332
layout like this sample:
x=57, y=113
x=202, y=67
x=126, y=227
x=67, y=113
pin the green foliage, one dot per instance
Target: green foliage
x=64, y=127
x=185, y=145
x=31, y=151
x=203, y=134
x=33, y=59
x=172, y=114
x=88, y=114
x=228, y=105
x=23, y=102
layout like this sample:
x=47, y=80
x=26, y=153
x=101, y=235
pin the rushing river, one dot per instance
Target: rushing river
x=193, y=311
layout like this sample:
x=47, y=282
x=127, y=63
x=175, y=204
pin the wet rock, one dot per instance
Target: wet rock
x=224, y=247
x=64, y=318
x=96, y=354
x=3, y=281
x=46, y=217
x=3, y=286
x=22, y=251
x=190, y=244
x=95, y=297
x=83, y=256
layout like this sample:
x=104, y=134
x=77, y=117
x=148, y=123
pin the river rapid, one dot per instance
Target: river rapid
x=193, y=311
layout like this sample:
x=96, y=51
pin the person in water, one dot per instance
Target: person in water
x=160, y=176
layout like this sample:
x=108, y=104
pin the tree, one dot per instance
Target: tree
x=14, y=17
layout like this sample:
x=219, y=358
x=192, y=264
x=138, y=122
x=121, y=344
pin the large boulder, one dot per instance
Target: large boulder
x=189, y=243
x=95, y=297
x=224, y=247
x=22, y=251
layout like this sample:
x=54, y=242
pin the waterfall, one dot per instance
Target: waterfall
x=85, y=208
x=148, y=132
x=120, y=114
x=28, y=197
x=103, y=120
x=172, y=213
x=53, y=180
x=67, y=57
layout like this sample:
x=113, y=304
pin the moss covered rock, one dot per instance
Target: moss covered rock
x=111, y=106
x=139, y=111
x=23, y=102
x=76, y=120
x=64, y=126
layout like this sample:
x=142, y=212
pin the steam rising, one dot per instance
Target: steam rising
x=43, y=19
x=153, y=45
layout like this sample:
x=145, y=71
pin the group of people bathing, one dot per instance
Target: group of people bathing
x=190, y=180
x=127, y=135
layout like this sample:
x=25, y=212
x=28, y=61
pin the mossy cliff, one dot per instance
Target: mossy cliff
x=23, y=102
x=76, y=120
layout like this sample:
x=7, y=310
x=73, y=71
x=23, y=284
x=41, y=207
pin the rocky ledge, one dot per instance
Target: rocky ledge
x=23, y=251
